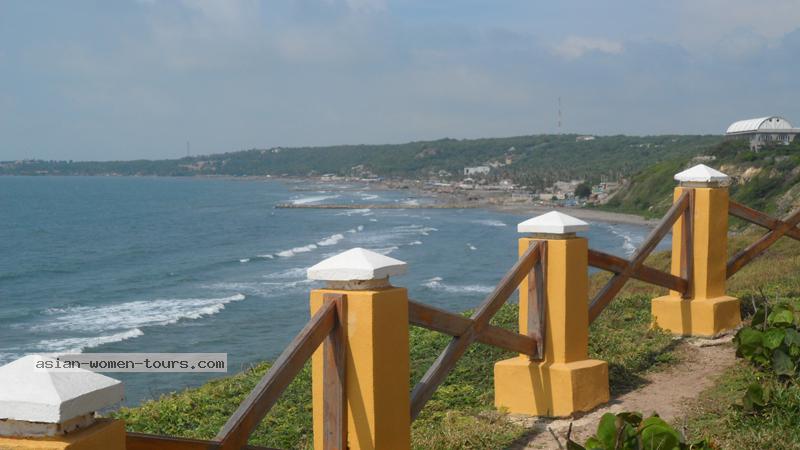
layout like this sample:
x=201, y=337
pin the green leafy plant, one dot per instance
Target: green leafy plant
x=629, y=431
x=772, y=340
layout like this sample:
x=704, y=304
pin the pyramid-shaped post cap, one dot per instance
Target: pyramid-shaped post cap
x=703, y=174
x=34, y=394
x=356, y=264
x=553, y=222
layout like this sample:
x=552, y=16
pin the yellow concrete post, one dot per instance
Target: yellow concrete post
x=566, y=380
x=376, y=348
x=707, y=311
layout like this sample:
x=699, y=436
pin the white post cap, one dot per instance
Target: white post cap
x=356, y=264
x=553, y=222
x=702, y=174
x=44, y=395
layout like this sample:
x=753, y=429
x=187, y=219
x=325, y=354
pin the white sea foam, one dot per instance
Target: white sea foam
x=629, y=241
x=293, y=251
x=312, y=199
x=415, y=243
x=136, y=314
x=489, y=222
x=369, y=196
x=436, y=283
x=385, y=250
x=373, y=220
x=245, y=260
x=295, y=272
x=79, y=344
x=471, y=247
x=331, y=240
x=350, y=212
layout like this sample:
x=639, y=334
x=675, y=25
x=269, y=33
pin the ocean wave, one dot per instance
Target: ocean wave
x=312, y=199
x=436, y=283
x=293, y=251
x=630, y=242
x=79, y=344
x=136, y=314
x=415, y=243
x=244, y=260
x=331, y=240
x=350, y=212
x=295, y=272
x=489, y=222
x=385, y=250
x=471, y=247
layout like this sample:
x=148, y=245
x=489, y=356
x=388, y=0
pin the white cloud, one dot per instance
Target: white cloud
x=576, y=46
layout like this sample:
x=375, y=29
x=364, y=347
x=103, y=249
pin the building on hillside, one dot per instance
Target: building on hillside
x=477, y=170
x=771, y=130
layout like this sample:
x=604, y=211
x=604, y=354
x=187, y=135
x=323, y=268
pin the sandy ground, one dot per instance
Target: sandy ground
x=592, y=215
x=667, y=391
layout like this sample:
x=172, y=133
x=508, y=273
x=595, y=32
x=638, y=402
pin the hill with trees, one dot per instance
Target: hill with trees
x=767, y=180
x=534, y=161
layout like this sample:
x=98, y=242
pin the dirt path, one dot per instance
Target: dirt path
x=665, y=393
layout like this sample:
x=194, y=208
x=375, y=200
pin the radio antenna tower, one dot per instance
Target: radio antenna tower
x=559, y=114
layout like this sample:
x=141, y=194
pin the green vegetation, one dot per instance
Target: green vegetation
x=460, y=414
x=772, y=340
x=629, y=431
x=768, y=180
x=753, y=405
x=534, y=161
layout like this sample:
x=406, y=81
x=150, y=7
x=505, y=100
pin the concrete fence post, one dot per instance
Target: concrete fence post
x=707, y=311
x=565, y=380
x=376, y=349
x=49, y=408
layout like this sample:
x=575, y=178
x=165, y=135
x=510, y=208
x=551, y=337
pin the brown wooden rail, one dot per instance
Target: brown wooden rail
x=446, y=322
x=615, y=284
x=777, y=228
x=447, y=360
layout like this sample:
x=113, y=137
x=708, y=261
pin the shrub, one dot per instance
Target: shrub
x=629, y=431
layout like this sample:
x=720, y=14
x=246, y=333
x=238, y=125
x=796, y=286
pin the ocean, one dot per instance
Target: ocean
x=139, y=264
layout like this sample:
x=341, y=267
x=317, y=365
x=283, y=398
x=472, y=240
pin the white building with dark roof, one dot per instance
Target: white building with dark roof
x=763, y=131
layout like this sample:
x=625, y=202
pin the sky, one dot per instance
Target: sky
x=108, y=80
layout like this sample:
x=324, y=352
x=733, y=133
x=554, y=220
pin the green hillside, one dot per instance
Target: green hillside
x=534, y=161
x=767, y=180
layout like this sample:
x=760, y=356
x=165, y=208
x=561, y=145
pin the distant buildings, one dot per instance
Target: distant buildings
x=762, y=131
x=584, y=138
x=477, y=170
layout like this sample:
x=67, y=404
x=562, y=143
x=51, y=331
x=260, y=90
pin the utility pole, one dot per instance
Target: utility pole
x=188, y=149
x=559, y=114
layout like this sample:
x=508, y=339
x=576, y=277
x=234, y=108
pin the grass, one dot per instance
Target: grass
x=461, y=413
x=717, y=414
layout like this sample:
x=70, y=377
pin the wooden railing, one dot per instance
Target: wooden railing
x=325, y=327
x=624, y=270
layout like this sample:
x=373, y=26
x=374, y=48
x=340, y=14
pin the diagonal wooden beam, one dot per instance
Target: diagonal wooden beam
x=746, y=255
x=537, y=302
x=237, y=430
x=334, y=403
x=455, y=349
x=644, y=273
x=615, y=284
x=759, y=218
x=436, y=319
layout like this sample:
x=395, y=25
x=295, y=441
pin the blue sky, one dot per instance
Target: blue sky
x=105, y=80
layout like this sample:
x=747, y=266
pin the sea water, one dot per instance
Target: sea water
x=137, y=264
